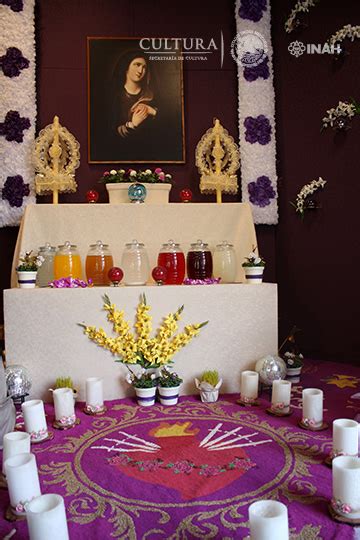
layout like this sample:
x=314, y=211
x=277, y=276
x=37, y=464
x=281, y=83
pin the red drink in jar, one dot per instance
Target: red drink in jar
x=199, y=262
x=172, y=258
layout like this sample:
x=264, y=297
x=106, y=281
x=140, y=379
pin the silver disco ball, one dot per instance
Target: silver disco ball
x=270, y=368
x=18, y=380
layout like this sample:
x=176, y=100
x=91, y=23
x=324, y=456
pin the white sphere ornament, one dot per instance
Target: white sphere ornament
x=270, y=368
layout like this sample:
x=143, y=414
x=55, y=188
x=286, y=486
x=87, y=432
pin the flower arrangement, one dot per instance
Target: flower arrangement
x=143, y=379
x=339, y=117
x=141, y=349
x=156, y=176
x=169, y=379
x=302, y=6
x=253, y=260
x=29, y=262
x=293, y=359
x=301, y=198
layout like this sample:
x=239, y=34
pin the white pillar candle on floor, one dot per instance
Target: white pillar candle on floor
x=268, y=521
x=94, y=394
x=281, y=396
x=312, y=407
x=345, y=437
x=346, y=485
x=16, y=442
x=64, y=406
x=22, y=479
x=34, y=419
x=249, y=385
x=46, y=518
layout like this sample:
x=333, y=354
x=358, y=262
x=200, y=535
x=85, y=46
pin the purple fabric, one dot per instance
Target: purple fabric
x=13, y=62
x=180, y=488
x=261, y=192
x=15, y=190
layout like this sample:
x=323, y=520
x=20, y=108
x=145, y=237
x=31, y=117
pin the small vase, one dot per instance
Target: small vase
x=26, y=280
x=254, y=274
x=208, y=392
x=168, y=395
x=145, y=396
x=293, y=371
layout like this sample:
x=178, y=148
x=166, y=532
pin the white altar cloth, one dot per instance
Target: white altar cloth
x=84, y=224
x=42, y=334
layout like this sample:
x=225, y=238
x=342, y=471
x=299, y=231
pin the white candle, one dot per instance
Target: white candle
x=281, y=396
x=94, y=394
x=345, y=437
x=46, y=518
x=22, y=479
x=268, y=521
x=346, y=485
x=64, y=406
x=249, y=385
x=16, y=442
x=312, y=407
x=34, y=419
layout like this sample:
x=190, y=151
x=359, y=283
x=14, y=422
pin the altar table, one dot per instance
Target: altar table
x=42, y=331
x=146, y=473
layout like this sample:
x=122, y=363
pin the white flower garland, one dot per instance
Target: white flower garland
x=303, y=6
x=304, y=193
x=257, y=97
x=343, y=109
x=346, y=31
x=18, y=94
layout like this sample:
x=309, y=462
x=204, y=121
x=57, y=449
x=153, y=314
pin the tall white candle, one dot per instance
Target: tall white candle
x=34, y=419
x=16, y=442
x=64, y=406
x=345, y=437
x=281, y=396
x=23, y=480
x=249, y=385
x=268, y=521
x=46, y=518
x=346, y=485
x=94, y=394
x=312, y=408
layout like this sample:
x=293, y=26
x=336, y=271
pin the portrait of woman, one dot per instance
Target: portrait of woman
x=135, y=104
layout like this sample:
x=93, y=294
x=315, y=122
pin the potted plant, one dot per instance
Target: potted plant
x=27, y=270
x=145, y=384
x=253, y=268
x=294, y=363
x=209, y=385
x=158, y=184
x=65, y=382
x=168, y=386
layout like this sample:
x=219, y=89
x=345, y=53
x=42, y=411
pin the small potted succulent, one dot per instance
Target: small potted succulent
x=27, y=270
x=65, y=382
x=144, y=383
x=209, y=385
x=253, y=268
x=294, y=363
x=168, y=385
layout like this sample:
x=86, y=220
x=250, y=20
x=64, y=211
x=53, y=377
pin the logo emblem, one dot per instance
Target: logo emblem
x=296, y=48
x=249, y=48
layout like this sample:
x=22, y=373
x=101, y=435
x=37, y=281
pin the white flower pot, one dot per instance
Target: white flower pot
x=254, y=274
x=26, y=280
x=145, y=396
x=208, y=393
x=155, y=193
x=168, y=395
x=293, y=371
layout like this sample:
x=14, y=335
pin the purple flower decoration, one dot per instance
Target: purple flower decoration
x=258, y=129
x=13, y=62
x=13, y=127
x=261, y=70
x=261, y=192
x=252, y=10
x=15, y=190
x=15, y=5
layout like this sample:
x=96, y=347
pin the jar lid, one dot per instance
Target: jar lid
x=199, y=244
x=47, y=247
x=134, y=243
x=99, y=244
x=67, y=245
x=224, y=244
x=171, y=243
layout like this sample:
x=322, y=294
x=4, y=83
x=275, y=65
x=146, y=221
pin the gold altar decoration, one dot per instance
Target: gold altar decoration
x=56, y=156
x=218, y=159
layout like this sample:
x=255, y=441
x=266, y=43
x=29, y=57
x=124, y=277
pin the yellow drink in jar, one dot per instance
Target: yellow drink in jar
x=67, y=265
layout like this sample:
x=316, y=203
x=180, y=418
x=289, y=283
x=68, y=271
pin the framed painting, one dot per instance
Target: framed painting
x=135, y=103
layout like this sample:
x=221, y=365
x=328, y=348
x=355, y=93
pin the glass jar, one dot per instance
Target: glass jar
x=45, y=272
x=98, y=263
x=199, y=262
x=135, y=264
x=172, y=258
x=67, y=262
x=224, y=262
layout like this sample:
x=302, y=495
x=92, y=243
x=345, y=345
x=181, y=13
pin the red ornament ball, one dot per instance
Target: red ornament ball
x=186, y=195
x=159, y=274
x=115, y=275
x=92, y=196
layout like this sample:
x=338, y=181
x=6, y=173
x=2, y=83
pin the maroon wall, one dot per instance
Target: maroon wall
x=316, y=292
